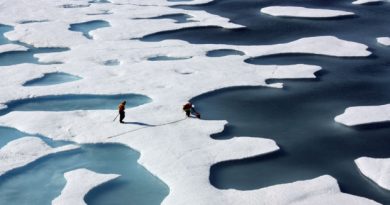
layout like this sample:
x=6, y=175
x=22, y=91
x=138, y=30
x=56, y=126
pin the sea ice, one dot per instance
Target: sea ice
x=23, y=151
x=378, y=170
x=176, y=149
x=78, y=183
x=28, y=33
x=302, y=12
x=384, y=41
x=364, y=115
x=124, y=24
x=366, y=1
x=12, y=47
x=188, y=156
x=96, y=77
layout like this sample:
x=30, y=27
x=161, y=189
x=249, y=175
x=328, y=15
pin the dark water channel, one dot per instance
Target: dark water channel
x=368, y=23
x=300, y=117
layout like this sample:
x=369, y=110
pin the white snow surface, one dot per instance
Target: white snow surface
x=384, y=41
x=360, y=115
x=177, y=150
x=78, y=183
x=303, y=12
x=377, y=169
x=23, y=151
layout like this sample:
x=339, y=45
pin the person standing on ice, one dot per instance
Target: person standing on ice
x=121, y=109
x=189, y=108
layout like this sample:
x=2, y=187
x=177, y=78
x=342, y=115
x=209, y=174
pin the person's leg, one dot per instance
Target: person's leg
x=188, y=112
x=121, y=116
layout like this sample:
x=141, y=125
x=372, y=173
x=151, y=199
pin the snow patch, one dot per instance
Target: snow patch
x=360, y=115
x=303, y=12
x=23, y=151
x=378, y=170
x=78, y=183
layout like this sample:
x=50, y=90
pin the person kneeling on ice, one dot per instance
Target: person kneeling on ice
x=189, y=108
x=121, y=108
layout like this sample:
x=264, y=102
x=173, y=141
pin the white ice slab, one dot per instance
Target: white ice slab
x=360, y=2
x=12, y=47
x=364, y=115
x=376, y=169
x=78, y=183
x=303, y=12
x=23, y=151
x=384, y=41
x=2, y=106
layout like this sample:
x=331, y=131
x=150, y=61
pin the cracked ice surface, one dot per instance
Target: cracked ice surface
x=377, y=169
x=78, y=183
x=303, y=12
x=186, y=145
x=360, y=115
x=23, y=151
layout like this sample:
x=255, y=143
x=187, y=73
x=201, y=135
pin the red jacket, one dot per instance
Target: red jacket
x=121, y=107
x=187, y=106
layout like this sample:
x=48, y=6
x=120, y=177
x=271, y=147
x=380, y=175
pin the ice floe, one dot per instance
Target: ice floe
x=12, y=47
x=23, y=151
x=303, y=12
x=88, y=66
x=78, y=183
x=124, y=24
x=366, y=1
x=377, y=169
x=364, y=115
x=384, y=41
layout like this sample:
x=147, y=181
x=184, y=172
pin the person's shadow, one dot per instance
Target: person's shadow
x=139, y=123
